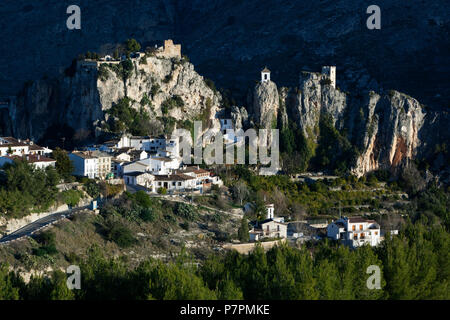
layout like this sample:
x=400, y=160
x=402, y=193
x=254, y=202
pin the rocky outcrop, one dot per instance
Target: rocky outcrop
x=314, y=97
x=391, y=135
x=239, y=116
x=265, y=104
x=386, y=129
x=79, y=101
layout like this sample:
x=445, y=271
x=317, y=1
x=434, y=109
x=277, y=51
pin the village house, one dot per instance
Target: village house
x=271, y=227
x=204, y=179
x=143, y=179
x=137, y=155
x=122, y=155
x=18, y=147
x=13, y=146
x=177, y=182
x=171, y=182
x=36, y=160
x=355, y=231
x=156, y=165
x=92, y=164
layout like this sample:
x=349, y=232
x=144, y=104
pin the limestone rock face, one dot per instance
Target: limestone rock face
x=313, y=98
x=393, y=125
x=386, y=128
x=80, y=101
x=266, y=103
x=239, y=116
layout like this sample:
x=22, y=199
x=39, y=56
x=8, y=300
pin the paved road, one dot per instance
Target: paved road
x=29, y=229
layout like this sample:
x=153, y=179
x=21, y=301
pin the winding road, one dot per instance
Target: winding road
x=37, y=225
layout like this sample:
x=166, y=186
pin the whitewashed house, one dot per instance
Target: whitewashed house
x=157, y=165
x=174, y=182
x=84, y=165
x=138, y=155
x=91, y=164
x=271, y=227
x=13, y=146
x=355, y=231
x=143, y=179
x=169, y=144
x=37, y=161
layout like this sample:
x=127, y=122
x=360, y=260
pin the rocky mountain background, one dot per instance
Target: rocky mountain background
x=371, y=116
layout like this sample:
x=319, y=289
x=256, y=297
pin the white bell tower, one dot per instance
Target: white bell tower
x=265, y=75
x=270, y=211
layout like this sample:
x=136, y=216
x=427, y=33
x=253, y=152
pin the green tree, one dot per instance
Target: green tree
x=243, y=232
x=64, y=165
x=132, y=45
x=59, y=290
x=7, y=289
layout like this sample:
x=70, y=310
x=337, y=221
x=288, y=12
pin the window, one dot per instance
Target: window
x=376, y=233
x=360, y=227
x=353, y=227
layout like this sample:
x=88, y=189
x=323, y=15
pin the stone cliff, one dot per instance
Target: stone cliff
x=386, y=129
x=79, y=100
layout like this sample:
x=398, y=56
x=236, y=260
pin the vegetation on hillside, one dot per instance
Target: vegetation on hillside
x=24, y=189
x=413, y=265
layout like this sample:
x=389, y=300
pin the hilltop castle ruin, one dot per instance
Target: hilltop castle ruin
x=169, y=50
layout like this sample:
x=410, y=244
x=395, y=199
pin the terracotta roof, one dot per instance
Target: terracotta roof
x=359, y=219
x=12, y=142
x=173, y=177
x=194, y=170
x=83, y=155
x=31, y=158
x=265, y=70
x=36, y=147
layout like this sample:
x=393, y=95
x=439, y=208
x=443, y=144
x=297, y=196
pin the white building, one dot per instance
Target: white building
x=156, y=165
x=355, y=231
x=204, y=179
x=150, y=144
x=265, y=75
x=143, y=179
x=37, y=161
x=89, y=164
x=271, y=227
x=268, y=228
x=13, y=146
x=18, y=147
x=177, y=182
x=330, y=73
